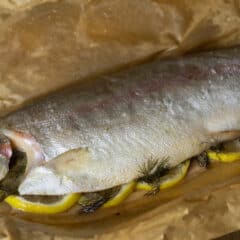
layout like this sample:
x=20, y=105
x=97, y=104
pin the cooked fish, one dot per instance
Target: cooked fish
x=100, y=134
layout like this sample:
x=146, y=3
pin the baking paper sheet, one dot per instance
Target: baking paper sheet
x=46, y=45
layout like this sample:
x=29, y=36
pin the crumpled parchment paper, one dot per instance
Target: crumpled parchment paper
x=46, y=45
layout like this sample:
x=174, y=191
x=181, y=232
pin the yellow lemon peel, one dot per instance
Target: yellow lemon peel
x=18, y=202
x=124, y=192
x=174, y=176
x=223, y=156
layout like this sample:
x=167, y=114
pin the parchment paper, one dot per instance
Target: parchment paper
x=46, y=45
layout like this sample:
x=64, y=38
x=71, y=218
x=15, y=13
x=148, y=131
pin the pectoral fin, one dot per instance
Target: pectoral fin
x=63, y=174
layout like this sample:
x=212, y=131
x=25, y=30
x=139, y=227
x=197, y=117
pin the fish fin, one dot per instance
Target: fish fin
x=64, y=174
x=70, y=160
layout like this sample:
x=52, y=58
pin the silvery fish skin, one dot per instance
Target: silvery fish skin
x=98, y=135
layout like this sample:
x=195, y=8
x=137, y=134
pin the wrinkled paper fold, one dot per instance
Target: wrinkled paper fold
x=46, y=45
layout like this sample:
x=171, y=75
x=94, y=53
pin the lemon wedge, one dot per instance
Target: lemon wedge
x=223, y=156
x=20, y=203
x=124, y=192
x=174, y=176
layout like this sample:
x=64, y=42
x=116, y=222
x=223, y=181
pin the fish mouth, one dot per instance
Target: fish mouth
x=12, y=140
x=5, y=155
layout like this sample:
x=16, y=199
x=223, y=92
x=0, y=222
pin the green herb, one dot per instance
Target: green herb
x=152, y=171
x=90, y=202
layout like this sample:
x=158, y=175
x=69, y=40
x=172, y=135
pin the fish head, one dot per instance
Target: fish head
x=20, y=141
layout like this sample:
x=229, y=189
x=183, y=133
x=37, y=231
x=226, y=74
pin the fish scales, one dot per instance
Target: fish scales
x=98, y=134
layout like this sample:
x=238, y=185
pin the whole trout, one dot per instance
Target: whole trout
x=99, y=134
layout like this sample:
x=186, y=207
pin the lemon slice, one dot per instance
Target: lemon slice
x=223, y=156
x=174, y=176
x=20, y=203
x=124, y=192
